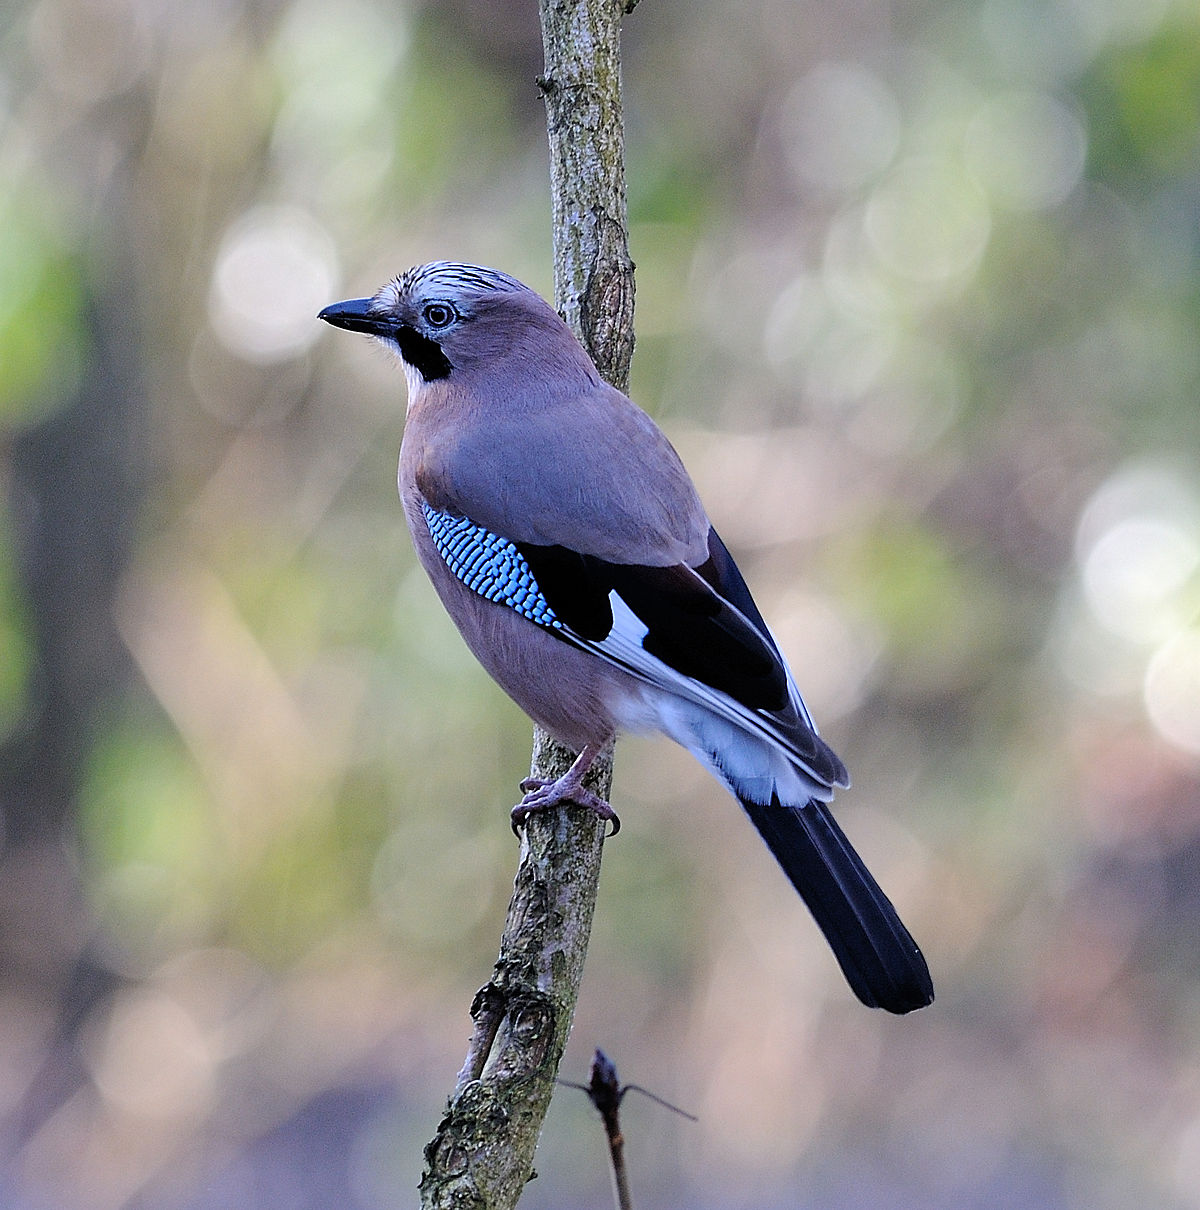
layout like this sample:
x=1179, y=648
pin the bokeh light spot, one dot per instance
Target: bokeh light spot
x=152, y=1059
x=275, y=269
x=1172, y=691
x=1027, y=149
x=929, y=221
x=1133, y=573
x=840, y=125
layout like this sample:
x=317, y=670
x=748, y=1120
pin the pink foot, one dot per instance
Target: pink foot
x=543, y=793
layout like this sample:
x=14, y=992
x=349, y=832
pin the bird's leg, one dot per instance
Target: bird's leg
x=542, y=793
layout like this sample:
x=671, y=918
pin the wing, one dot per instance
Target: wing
x=695, y=633
x=618, y=488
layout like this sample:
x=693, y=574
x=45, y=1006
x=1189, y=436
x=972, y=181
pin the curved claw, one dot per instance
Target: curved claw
x=541, y=794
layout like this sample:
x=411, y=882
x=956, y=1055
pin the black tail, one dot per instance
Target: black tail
x=877, y=955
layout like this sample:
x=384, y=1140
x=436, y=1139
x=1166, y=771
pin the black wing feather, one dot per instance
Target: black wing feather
x=722, y=574
x=575, y=587
x=691, y=627
x=695, y=631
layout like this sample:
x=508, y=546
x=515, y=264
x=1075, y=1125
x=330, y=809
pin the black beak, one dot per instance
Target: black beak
x=355, y=316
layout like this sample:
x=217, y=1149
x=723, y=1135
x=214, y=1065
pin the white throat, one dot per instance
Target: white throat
x=415, y=383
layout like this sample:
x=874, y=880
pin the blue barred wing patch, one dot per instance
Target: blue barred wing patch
x=488, y=565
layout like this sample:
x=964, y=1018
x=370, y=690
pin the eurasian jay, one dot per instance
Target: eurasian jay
x=568, y=544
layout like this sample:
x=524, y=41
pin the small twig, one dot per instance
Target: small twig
x=683, y=1113
x=606, y=1094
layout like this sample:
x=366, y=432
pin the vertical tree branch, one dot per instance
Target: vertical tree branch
x=593, y=275
x=482, y=1154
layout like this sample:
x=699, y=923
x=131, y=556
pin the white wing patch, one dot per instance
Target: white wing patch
x=623, y=647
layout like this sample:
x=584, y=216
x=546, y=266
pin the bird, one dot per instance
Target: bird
x=570, y=547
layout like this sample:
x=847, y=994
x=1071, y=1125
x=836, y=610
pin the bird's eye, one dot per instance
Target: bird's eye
x=439, y=315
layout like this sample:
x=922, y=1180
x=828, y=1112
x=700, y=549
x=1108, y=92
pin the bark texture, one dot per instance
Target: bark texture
x=482, y=1154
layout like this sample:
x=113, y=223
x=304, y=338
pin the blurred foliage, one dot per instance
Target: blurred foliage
x=15, y=653
x=918, y=301
x=41, y=325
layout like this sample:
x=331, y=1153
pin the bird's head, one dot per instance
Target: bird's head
x=447, y=319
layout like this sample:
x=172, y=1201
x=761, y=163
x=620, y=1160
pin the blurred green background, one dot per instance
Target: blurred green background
x=918, y=302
